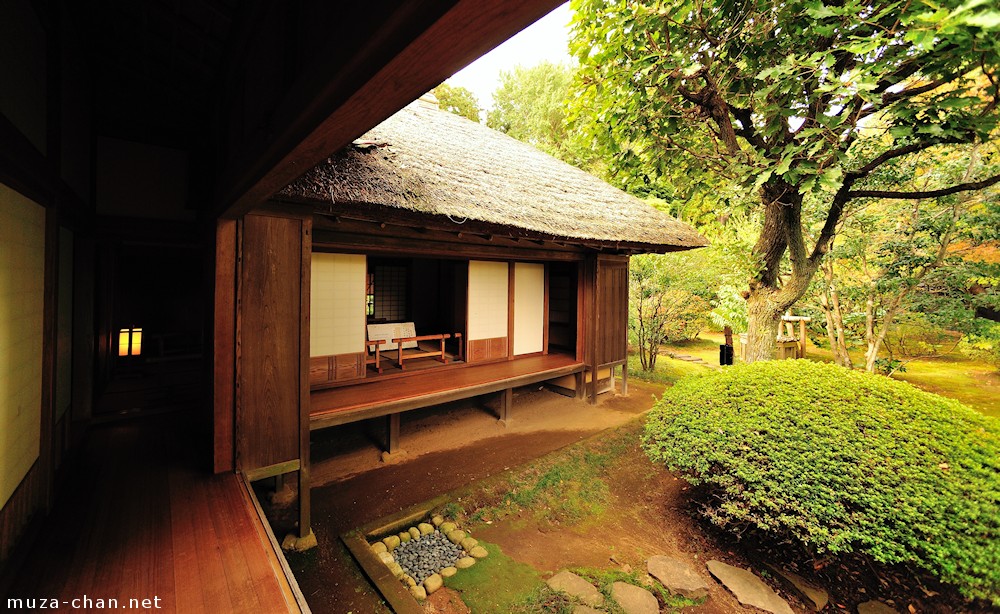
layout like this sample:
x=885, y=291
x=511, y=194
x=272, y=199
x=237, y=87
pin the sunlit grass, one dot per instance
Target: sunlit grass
x=666, y=371
x=973, y=383
x=954, y=375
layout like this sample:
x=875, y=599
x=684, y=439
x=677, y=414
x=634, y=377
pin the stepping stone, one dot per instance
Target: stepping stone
x=748, y=588
x=875, y=607
x=634, y=599
x=679, y=577
x=575, y=586
x=812, y=595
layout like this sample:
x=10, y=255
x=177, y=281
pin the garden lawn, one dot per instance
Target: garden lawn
x=954, y=376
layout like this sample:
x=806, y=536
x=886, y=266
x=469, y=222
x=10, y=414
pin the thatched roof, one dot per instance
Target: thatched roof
x=435, y=163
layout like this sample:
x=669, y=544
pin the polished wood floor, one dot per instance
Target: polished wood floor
x=346, y=404
x=139, y=519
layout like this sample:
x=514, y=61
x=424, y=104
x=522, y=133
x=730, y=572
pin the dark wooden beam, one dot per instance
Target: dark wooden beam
x=337, y=102
x=374, y=244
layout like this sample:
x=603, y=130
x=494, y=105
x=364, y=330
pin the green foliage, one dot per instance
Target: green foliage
x=458, y=100
x=794, y=108
x=841, y=461
x=792, y=73
x=671, y=296
x=984, y=346
x=530, y=105
x=888, y=366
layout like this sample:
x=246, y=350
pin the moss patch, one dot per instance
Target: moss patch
x=497, y=584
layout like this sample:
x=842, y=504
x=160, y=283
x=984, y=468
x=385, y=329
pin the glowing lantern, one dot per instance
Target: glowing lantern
x=130, y=342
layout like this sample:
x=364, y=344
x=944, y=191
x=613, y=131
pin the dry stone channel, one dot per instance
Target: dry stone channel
x=423, y=555
x=427, y=555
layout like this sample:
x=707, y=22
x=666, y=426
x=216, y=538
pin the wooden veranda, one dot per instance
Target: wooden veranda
x=336, y=406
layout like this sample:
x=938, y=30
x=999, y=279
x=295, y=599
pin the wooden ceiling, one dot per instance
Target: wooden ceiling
x=259, y=91
x=154, y=63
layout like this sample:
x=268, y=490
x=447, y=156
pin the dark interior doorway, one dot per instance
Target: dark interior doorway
x=158, y=288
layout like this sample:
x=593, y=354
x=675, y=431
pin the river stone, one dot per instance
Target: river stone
x=396, y=569
x=418, y=593
x=414, y=532
x=479, y=552
x=457, y=536
x=634, y=599
x=447, y=527
x=425, y=528
x=875, y=607
x=812, y=595
x=405, y=537
x=385, y=557
x=391, y=542
x=448, y=572
x=748, y=588
x=575, y=586
x=469, y=543
x=409, y=581
x=378, y=547
x=437, y=521
x=679, y=577
x=433, y=582
x=465, y=562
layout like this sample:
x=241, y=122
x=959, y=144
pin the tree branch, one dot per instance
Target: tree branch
x=961, y=187
x=746, y=129
x=890, y=154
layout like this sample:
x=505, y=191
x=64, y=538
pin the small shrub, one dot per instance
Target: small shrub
x=841, y=461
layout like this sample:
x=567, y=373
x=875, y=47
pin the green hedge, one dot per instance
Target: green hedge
x=841, y=461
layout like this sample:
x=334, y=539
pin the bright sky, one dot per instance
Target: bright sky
x=546, y=39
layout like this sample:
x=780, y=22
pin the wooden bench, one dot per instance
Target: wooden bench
x=438, y=354
x=375, y=348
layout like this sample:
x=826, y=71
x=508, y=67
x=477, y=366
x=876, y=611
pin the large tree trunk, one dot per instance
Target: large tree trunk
x=771, y=293
x=763, y=320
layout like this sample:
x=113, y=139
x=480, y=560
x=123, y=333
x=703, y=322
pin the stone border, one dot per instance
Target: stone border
x=386, y=548
x=359, y=543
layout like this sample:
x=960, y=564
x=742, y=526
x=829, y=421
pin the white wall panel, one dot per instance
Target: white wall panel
x=22, y=292
x=529, y=307
x=487, y=299
x=337, y=305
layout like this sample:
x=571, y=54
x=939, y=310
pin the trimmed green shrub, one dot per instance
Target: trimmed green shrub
x=841, y=461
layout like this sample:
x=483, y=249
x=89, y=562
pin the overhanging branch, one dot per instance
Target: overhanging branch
x=895, y=194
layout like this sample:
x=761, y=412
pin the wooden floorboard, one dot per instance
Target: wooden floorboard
x=334, y=406
x=141, y=519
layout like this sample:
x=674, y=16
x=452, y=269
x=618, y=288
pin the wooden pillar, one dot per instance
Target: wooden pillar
x=625, y=379
x=506, y=400
x=581, y=382
x=224, y=346
x=392, y=433
x=802, y=338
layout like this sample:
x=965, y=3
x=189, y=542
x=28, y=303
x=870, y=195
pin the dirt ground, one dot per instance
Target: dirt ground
x=445, y=447
x=451, y=446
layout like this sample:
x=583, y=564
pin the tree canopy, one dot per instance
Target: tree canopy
x=530, y=105
x=812, y=107
x=458, y=100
